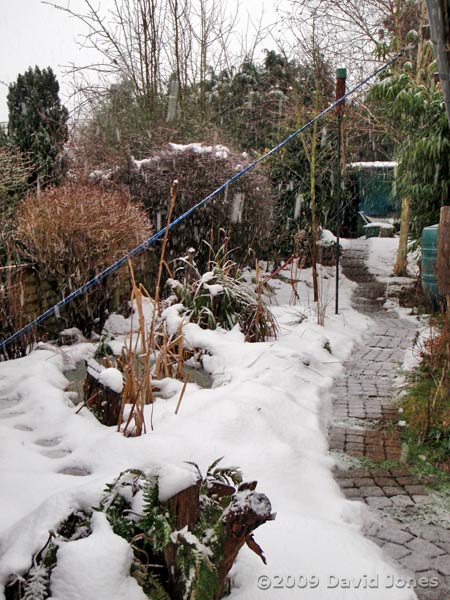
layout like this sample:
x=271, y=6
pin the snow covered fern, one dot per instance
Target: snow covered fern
x=37, y=584
x=183, y=546
x=179, y=545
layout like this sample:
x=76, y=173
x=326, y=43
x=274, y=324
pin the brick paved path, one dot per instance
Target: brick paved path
x=403, y=518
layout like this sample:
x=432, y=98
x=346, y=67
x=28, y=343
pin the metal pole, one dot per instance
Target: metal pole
x=341, y=75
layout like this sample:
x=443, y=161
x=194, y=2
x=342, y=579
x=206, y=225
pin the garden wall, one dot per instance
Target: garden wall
x=23, y=297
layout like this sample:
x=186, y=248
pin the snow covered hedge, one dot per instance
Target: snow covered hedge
x=244, y=209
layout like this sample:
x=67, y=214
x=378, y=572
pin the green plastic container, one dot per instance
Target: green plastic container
x=429, y=258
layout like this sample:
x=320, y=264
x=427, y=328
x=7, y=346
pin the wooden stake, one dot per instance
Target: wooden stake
x=173, y=196
x=182, y=394
x=443, y=255
x=401, y=262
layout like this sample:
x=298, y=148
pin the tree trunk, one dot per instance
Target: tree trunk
x=401, y=263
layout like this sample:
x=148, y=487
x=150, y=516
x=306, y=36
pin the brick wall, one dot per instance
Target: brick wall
x=24, y=296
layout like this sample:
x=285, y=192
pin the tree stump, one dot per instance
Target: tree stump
x=104, y=402
x=246, y=511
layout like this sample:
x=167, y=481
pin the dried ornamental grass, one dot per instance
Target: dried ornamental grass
x=72, y=233
x=13, y=313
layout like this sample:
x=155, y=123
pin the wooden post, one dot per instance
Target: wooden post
x=341, y=76
x=443, y=255
x=402, y=254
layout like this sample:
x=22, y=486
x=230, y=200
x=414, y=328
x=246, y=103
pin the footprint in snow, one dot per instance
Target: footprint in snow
x=57, y=453
x=7, y=401
x=9, y=415
x=75, y=471
x=23, y=427
x=48, y=442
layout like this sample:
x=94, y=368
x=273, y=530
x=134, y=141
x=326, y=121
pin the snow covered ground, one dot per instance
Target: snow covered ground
x=382, y=255
x=267, y=413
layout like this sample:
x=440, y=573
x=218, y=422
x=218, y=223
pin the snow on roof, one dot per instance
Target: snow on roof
x=377, y=164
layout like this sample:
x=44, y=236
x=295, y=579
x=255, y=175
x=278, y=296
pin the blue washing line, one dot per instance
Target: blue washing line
x=54, y=310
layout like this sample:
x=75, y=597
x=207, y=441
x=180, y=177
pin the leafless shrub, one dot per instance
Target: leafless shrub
x=12, y=309
x=14, y=173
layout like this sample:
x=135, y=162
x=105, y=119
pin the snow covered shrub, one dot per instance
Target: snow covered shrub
x=35, y=584
x=223, y=297
x=244, y=209
x=37, y=122
x=184, y=533
x=70, y=234
x=185, y=545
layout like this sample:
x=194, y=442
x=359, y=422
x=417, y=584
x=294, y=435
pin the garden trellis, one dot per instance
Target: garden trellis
x=54, y=310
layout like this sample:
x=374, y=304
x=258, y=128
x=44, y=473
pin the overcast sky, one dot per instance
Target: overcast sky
x=34, y=33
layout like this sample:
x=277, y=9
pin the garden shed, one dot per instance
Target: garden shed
x=375, y=187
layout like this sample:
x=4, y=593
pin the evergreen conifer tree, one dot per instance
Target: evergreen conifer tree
x=37, y=122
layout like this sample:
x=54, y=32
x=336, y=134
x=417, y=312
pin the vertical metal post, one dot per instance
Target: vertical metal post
x=341, y=75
